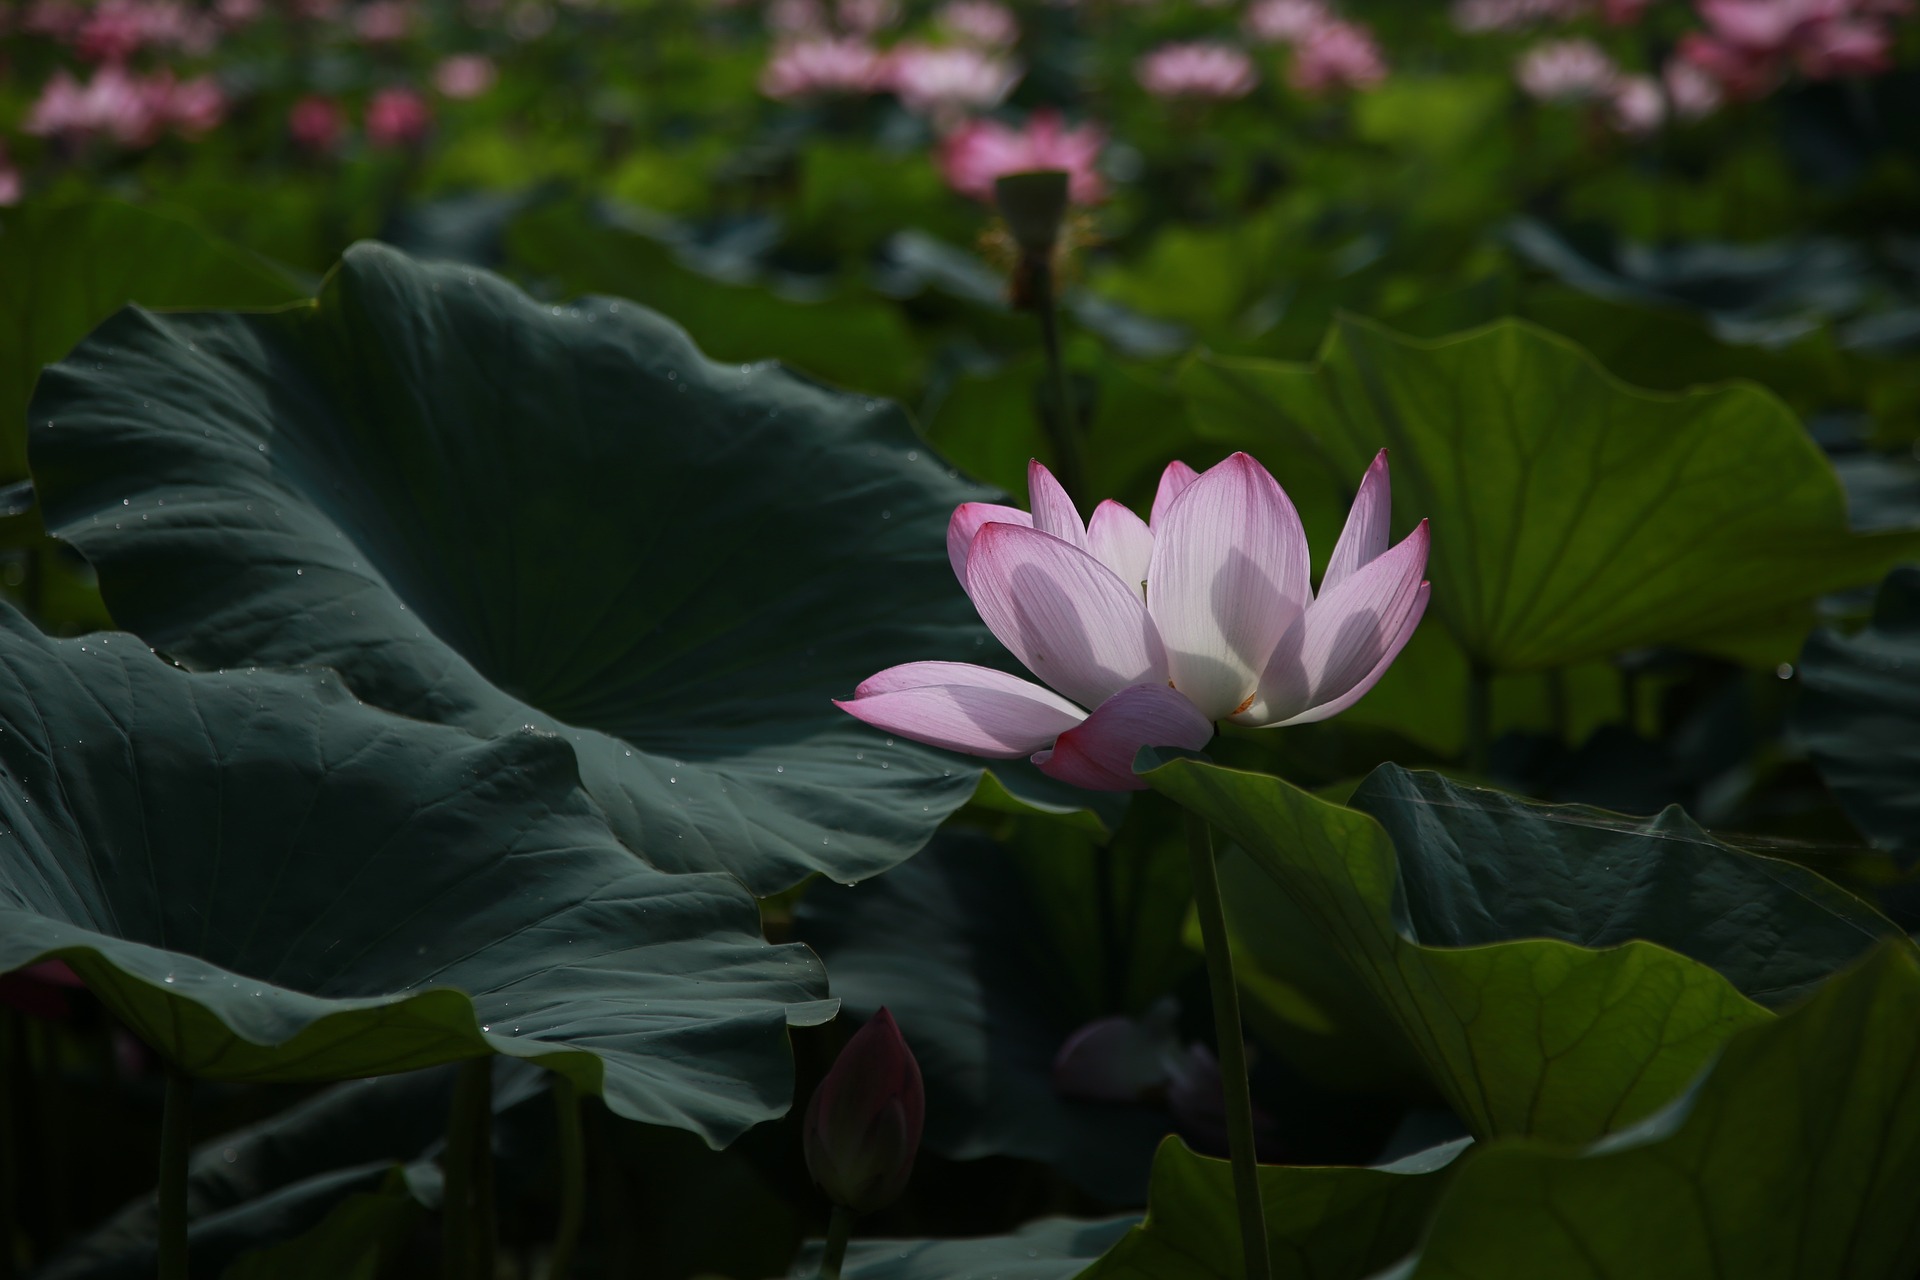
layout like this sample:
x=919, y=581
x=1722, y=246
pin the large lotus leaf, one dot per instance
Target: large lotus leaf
x=1478, y=866
x=352, y=1242
x=986, y=987
x=1527, y=1035
x=1323, y=1223
x=1573, y=517
x=1798, y=1155
x=1859, y=714
x=64, y=268
x=860, y=344
x=270, y=881
x=491, y=513
x=1049, y=1249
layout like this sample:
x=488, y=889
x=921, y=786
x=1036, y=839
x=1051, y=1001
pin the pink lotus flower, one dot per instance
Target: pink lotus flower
x=12, y=186
x=864, y=1121
x=114, y=104
x=1161, y=627
x=1337, y=55
x=1691, y=92
x=316, y=123
x=1636, y=105
x=823, y=67
x=1475, y=17
x=986, y=23
x=397, y=117
x=1567, y=71
x=1623, y=13
x=58, y=19
x=1285, y=21
x=980, y=152
x=945, y=82
x=194, y=107
x=1750, y=44
x=464, y=75
x=117, y=29
x=796, y=17
x=1197, y=70
x=866, y=17
x=383, y=22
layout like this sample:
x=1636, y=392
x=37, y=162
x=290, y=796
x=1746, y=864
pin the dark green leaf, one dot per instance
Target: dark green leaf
x=270, y=881
x=1050, y=1249
x=491, y=513
x=1860, y=714
x=1478, y=866
x=349, y=1243
x=1797, y=1155
x=1573, y=516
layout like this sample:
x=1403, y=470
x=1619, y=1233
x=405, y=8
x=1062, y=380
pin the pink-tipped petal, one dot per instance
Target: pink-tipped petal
x=1121, y=541
x=965, y=523
x=962, y=707
x=1063, y=613
x=1098, y=753
x=1173, y=482
x=1229, y=574
x=1366, y=534
x=1347, y=640
x=1053, y=509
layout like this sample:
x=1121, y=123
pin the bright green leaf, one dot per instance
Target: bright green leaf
x=1573, y=517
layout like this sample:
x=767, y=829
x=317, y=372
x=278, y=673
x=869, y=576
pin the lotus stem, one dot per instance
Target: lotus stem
x=1062, y=424
x=839, y=1231
x=1233, y=1050
x=467, y=1209
x=573, y=1176
x=176, y=1141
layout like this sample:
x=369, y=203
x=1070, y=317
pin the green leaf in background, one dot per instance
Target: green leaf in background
x=284, y=1175
x=65, y=268
x=1524, y=1036
x=269, y=881
x=1797, y=1155
x=351, y=1242
x=1477, y=866
x=1049, y=1249
x=1573, y=516
x=859, y=344
x=491, y=513
x=986, y=984
x=1326, y=1223
x=1859, y=714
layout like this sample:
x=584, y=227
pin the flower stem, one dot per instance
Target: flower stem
x=1060, y=419
x=176, y=1133
x=1233, y=1051
x=466, y=1227
x=839, y=1231
x=573, y=1176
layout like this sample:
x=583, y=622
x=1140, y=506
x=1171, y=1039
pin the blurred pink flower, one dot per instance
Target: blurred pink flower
x=980, y=151
x=1195, y=70
x=982, y=22
x=1749, y=45
x=1623, y=13
x=822, y=67
x=797, y=17
x=397, y=117
x=193, y=107
x=316, y=123
x=948, y=82
x=1691, y=92
x=1285, y=21
x=114, y=104
x=1568, y=71
x=383, y=21
x=1476, y=17
x=59, y=19
x=11, y=186
x=239, y=13
x=865, y=17
x=117, y=29
x=1337, y=55
x=1636, y=105
x=1856, y=47
x=465, y=75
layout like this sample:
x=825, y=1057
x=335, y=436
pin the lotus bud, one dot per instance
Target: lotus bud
x=863, y=1124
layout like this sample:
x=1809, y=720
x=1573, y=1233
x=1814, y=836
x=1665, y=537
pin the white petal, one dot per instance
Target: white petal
x=962, y=707
x=1366, y=532
x=1121, y=541
x=965, y=523
x=1229, y=574
x=1173, y=482
x=1053, y=509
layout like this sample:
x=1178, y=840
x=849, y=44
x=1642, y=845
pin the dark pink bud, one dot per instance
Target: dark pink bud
x=863, y=1124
